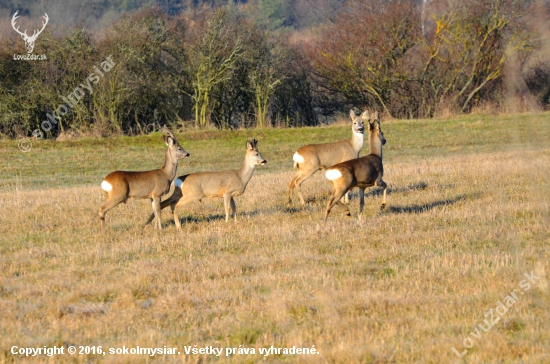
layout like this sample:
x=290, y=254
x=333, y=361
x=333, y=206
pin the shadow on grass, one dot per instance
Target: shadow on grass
x=291, y=209
x=319, y=198
x=378, y=191
x=296, y=206
x=416, y=209
x=311, y=205
x=354, y=194
x=190, y=219
x=197, y=219
x=210, y=218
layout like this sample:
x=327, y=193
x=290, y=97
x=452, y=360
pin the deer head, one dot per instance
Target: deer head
x=29, y=41
x=174, y=148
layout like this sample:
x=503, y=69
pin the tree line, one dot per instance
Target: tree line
x=218, y=67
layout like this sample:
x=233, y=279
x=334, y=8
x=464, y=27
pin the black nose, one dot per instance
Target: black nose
x=264, y=162
x=360, y=130
x=187, y=155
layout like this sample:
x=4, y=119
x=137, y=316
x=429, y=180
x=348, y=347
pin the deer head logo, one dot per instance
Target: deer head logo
x=29, y=41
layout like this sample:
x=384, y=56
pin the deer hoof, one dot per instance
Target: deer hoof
x=383, y=206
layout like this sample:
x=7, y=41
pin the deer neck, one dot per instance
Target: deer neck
x=170, y=167
x=357, y=141
x=375, y=145
x=246, y=171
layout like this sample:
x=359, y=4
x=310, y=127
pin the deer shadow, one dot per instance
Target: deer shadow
x=416, y=209
x=189, y=219
x=410, y=188
x=354, y=194
x=319, y=198
x=291, y=209
x=197, y=219
x=211, y=218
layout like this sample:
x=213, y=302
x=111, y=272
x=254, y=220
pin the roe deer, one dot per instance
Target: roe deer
x=227, y=184
x=121, y=185
x=362, y=172
x=311, y=158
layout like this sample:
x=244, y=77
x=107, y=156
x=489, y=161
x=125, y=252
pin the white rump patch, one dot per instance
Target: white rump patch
x=106, y=186
x=178, y=182
x=298, y=158
x=333, y=174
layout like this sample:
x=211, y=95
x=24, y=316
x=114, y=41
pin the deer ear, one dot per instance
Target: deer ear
x=365, y=115
x=352, y=114
x=249, y=145
x=255, y=142
x=169, y=140
x=167, y=132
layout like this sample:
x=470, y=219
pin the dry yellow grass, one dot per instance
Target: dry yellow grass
x=404, y=285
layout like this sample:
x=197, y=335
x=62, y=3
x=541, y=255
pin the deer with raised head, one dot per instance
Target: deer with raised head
x=226, y=184
x=314, y=157
x=362, y=172
x=122, y=185
x=29, y=41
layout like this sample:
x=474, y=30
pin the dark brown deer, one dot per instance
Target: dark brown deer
x=121, y=185
x=362, y=172
x=314, y=157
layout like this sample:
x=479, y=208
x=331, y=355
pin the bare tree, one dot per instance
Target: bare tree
x=268, y=56
x=216, y=46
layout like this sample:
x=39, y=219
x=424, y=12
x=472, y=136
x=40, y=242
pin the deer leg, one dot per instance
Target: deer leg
x=335, y=198
x=149, y=220
x=156, y=210
x=291, y=187
x=361, y=201
x=345, y=199
x=170, y=201
x=153, y=215
x=344, y=206
x=176, y=217
x=109, y=204
x=174, y=203
x=301, y=180
x=385, y=186
x=233, y=209
x=227, y=205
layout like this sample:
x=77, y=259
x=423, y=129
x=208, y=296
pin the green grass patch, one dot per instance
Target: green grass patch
x=86, y=161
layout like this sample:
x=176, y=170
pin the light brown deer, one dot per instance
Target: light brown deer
x=362, y=172
x=314, y=157
x=227, y=184
x=121, y=185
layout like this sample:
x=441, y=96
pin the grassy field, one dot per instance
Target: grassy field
x=467, y=217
